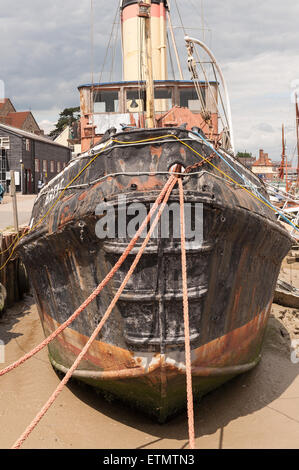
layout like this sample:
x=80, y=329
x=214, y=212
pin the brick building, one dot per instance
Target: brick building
x=23, y=120
x=264, y=167
x=246, y=160
x=35, y=159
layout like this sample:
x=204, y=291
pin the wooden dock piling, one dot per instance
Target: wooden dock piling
x=13, y=275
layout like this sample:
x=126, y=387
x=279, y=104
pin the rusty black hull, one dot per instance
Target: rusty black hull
x=232, y=273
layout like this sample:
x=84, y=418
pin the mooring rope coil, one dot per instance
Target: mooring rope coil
x=43, y=411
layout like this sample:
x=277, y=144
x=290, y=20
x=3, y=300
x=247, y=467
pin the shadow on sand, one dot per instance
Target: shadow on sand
x=12, y=316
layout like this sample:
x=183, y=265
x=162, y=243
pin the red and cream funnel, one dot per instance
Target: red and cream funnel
x=133, y=34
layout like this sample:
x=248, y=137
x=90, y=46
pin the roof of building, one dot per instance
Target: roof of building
x=16, y=119
x=29, y=135
x=4, y=101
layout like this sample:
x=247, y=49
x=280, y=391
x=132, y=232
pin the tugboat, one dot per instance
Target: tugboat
x=134, y=132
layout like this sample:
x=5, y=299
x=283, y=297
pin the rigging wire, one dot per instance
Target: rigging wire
x=108, y=48
x=114, y=47
x=180, y=17
x=92, y=41
x=200, y=11
x=170, y=56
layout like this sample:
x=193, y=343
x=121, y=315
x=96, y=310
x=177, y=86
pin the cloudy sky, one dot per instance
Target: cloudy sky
x=45, y=54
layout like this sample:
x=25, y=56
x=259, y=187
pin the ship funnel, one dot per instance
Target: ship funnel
x=133, y=39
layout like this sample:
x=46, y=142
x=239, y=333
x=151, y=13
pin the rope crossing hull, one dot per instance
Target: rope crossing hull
x=233, y=263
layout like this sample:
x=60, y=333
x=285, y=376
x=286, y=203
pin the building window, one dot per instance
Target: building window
x=45, y=165
x=27, y=145
x=58, y=167
x=52, y=166
x=106, y=102
x=37, y=165
x=4, y=143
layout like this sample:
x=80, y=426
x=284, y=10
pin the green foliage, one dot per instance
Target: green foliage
x=66, y=118
x=244, y=155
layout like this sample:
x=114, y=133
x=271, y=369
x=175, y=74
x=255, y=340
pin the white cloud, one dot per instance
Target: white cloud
x=46, y=126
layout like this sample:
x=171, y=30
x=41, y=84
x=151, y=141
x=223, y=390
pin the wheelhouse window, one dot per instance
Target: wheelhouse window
x=189, y=99
x=135, y=102
x=106, y=101
x=163, y=99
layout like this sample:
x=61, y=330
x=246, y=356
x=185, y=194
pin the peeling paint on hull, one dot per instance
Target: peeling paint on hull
x=212, y=365
x=232, y=273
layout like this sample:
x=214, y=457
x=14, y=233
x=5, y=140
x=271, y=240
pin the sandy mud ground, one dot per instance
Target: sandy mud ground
x=259, y=409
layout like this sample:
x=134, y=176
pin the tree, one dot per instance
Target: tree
x=66, y=118
x=244, y=155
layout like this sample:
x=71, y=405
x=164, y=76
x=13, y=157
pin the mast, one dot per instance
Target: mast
x=284, y=161
x=150, y=93
x=282, y=164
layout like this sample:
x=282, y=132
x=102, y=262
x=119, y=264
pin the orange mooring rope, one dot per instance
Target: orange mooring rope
x=97, y=290
x=186, y=321
x=43, y=411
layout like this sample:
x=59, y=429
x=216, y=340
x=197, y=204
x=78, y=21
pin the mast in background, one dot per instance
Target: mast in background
x=284, y=161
